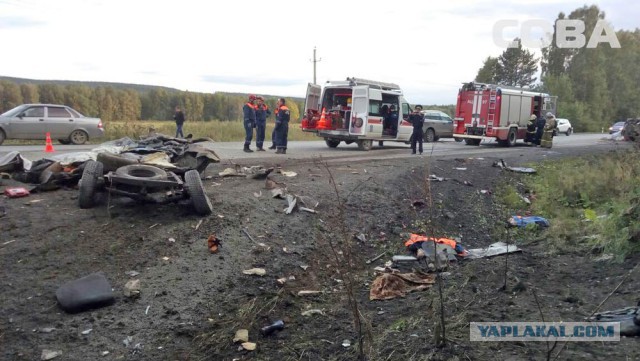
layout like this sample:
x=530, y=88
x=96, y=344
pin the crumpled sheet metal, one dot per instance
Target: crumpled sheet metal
x=13, y=161
x=494, y=249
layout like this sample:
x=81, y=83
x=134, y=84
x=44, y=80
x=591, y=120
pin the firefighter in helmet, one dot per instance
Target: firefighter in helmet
x=531, y=130
x=249, y=115
x=549, y=128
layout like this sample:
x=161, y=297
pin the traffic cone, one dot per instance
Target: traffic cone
x=322, y=123
x=49, y=147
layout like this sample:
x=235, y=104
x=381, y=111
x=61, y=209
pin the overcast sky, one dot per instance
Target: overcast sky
x=265, y=47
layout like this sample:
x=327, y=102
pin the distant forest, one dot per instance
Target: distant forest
x=118, y=101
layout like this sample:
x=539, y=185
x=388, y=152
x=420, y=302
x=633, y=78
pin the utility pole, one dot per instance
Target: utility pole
x=314, y=64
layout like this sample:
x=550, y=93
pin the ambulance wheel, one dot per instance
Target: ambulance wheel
x=365, y=144
x=429, y=136
x=331, y=143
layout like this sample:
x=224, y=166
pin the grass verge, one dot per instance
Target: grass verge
x=591, y=202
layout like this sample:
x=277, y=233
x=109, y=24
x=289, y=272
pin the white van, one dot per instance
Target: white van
x=357, y=110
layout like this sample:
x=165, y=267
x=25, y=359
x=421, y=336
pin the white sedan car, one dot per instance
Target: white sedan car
x=564, y=126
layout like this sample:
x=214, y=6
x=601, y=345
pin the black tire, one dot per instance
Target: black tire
x=141, y=172
x=512, y=137
x=365, y=144
x=112, y=161
x=2, y=136
x=429, y=135
x=198, y=196
x=88, y=183
x=471, y=141
x=78, y=137
x=459, y=140
x=332, y=143
x=64, y=141
x=569, y=131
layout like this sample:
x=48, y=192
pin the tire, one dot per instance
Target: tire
x=198, y=196
x=88, y=183
x=112, y=161
x=512, y=137
x=64, y=141
x=569, y=131
x=365, y=144
x=2, y=136
x=470, y=141
x=141, y=172
x=429, y=136
x=331, y=143
x=459, y=140
x=78, y=137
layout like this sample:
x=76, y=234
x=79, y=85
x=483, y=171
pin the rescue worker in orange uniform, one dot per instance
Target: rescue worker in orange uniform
x=262, y=112
x=282, y=127
x=249, y=116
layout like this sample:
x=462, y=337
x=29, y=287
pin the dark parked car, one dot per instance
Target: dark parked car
x=34, y=121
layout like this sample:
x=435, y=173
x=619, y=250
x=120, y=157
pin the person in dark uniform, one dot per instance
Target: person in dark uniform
x=282, y=127
x=249, y=115
x=531, y=130
x=416, y=118
x=262, y=112
x=179, y=118
x=540, y=129
x=393, y=120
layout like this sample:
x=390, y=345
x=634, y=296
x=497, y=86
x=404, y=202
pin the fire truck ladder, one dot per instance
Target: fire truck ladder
x=493, y=100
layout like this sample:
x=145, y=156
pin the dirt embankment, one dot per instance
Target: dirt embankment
x=192, y=302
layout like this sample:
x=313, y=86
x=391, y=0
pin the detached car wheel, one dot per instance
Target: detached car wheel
x=195, y=189
x=141, y=172
x=88, y=183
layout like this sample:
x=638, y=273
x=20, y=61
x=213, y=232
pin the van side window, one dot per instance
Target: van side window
x=374, y=107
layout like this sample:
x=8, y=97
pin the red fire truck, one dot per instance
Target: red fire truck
x=498, y=112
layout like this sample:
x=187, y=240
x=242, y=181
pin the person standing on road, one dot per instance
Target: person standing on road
x=540, y=129
x=549, y=128
x=416, y=118
x=178, y=116
x=262, y=112
x=282, y=127
x=249, y=115
x=531, y=130
x=273, y=131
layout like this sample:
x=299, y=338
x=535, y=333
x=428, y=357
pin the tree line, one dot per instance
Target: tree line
x=595, y=86
x=128, y=104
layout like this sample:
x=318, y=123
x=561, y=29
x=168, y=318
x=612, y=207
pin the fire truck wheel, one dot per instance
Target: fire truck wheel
x=365, y=144
x=429, y=136
x=472, y=141
x=331, y=143
x=459, y=140
x=512, y=137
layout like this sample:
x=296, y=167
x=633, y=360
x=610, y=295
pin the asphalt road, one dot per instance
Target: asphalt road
x=390, y=150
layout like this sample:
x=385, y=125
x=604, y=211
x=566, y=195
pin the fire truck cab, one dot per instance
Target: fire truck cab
x=502, y=113
x=357, y=110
